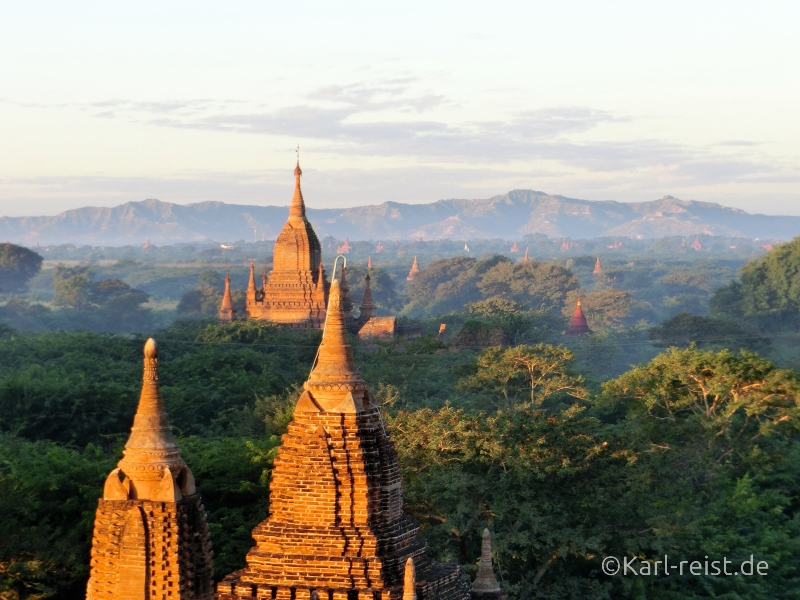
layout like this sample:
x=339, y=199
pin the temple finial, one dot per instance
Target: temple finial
x=485, y=584
x=297, y=209
x=410, y=581
x=334, y=381
x=227, y=313
x=151, y=447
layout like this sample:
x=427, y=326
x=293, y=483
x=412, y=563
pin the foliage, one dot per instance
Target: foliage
x=772, y=284
x=527, y=475
x=684, y=329
x=603, y=309
x=537, y=285
x=17, y=266
x=71, y=286
x=443, y=285
x=48, y=494
x=541, y=372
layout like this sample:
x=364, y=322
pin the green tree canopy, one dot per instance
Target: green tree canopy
x=17, y=266
x=537, y=285
x=71, y=286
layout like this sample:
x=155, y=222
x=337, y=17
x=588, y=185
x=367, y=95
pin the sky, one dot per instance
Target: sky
x=103, y=103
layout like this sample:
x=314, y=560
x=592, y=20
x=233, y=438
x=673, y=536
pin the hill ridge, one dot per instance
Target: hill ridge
x=511, y=215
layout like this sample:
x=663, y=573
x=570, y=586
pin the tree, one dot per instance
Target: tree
x=444, y=285
x=603, y=309
x=535, y=284
x=685, y=328
x=713, y=438
x=541, y=370
x=17, y=266
x=71, y=286
x=772, y=284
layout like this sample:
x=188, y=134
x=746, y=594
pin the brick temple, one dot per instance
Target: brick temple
x=336, y=528
x=296, y=291
x=150, y=536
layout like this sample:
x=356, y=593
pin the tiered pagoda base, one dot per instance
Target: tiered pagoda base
x=336, y=525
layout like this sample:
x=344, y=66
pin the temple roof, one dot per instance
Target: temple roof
x=297, y=209
x=578, y=325
x=227, y=300
x=151, y=448
x=334, y=373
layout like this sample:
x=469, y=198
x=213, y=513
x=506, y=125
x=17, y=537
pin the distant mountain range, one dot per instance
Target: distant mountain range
x=509, y=216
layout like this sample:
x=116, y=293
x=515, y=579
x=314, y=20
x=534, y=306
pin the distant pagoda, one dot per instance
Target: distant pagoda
x=296, y=291
x=578, y=326
x=597, y=268
x=514, y=248
x=227, y=314
x=414, y=270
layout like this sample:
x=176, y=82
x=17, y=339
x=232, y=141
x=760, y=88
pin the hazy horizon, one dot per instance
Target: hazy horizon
x=103, y=104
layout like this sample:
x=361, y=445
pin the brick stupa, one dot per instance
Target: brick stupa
x=150, y=534
x=227, y=314
x=485, y=586
x=578, y=326
x=336, y=528
x=296, y=292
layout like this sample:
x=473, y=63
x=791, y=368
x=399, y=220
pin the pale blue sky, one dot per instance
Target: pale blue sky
x=106, y=102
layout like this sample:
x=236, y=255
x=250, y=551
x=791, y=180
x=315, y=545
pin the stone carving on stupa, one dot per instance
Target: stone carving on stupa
x=336, y=527
x=150, y=531
x=578, y=325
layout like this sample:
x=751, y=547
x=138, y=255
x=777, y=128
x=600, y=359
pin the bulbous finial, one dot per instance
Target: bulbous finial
x=150, y=349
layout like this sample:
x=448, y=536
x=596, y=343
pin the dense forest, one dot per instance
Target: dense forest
x=672, y=429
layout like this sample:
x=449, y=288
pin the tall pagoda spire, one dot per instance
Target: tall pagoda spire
x=150, y=531
x=227, y=313
x=152, y=449
x=367, y=306
x=297, y=209
x=336, y=528
x=410, y=581
x=597, y=267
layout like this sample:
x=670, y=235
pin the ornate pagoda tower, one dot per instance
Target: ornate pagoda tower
x=150, y=534
x=296, y=292
x=336, y=528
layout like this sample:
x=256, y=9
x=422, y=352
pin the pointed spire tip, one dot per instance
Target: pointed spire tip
x=150, y=349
